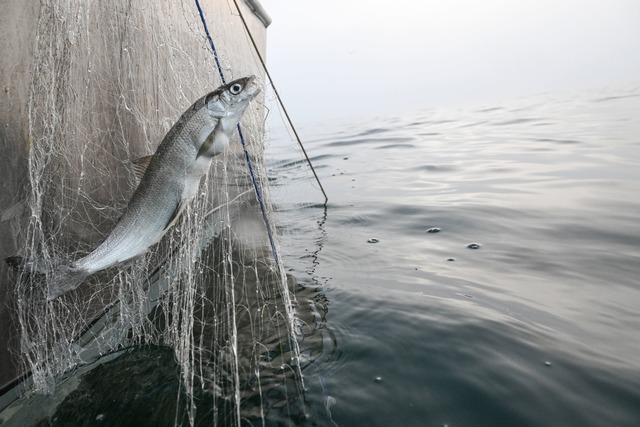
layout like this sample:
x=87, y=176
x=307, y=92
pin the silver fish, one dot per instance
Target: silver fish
x=171, y=179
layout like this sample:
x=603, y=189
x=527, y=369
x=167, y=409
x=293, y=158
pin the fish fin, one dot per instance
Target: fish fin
x=140, y=166
x=208, y=142
x=28, y=265
x=176, y=212
x=215, y=143
x=65, y=278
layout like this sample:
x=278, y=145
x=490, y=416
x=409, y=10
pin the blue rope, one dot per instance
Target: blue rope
x=265, y=217
x=213, y=46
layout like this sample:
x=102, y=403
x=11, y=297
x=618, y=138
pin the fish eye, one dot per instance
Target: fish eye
x=235, y=88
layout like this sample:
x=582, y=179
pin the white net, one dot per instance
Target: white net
x=109, y=80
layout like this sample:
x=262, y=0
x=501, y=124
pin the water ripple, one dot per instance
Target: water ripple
x=368, y=141
x=505, y=334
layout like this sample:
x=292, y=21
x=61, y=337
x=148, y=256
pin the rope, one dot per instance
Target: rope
x=265, y=217
x=213, y=46
x=284, y=110
x=258, y=192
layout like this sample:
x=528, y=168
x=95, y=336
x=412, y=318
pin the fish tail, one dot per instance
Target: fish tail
x=64, y=277
x=28, y=265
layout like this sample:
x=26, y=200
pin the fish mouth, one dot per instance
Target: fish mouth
x=252, y=87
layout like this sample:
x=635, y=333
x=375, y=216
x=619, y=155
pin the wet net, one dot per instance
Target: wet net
x=109, y=80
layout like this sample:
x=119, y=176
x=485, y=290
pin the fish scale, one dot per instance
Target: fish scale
x=170, y=181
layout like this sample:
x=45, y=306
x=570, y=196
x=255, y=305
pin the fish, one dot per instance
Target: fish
x=169, y=179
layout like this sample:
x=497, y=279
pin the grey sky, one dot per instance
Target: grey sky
x=359, y=58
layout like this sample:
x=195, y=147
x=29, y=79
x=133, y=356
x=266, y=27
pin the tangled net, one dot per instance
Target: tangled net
x=109, y=81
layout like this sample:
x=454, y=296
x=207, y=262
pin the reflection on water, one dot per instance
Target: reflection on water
x=538, y=325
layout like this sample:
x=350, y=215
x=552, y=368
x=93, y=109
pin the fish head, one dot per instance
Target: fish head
x=231, y=99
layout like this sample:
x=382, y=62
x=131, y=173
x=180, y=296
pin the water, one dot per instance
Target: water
x=536, y=326
x=474, y=267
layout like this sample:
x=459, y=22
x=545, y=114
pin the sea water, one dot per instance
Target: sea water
x=479, y=266
x=473, y=267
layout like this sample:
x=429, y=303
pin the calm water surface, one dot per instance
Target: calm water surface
x=473, y=267
x=538, y=326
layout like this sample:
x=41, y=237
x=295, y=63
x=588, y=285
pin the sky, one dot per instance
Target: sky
x=335, y=59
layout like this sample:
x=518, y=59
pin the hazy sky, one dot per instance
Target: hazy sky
x=359, y=58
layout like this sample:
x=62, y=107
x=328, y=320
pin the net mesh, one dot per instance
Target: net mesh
x=109, y=81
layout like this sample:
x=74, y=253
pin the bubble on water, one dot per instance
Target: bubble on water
x=433, y=230
x=373, y=240
x=473, y=245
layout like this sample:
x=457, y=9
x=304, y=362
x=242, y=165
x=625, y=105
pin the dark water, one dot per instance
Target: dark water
x=538, y=326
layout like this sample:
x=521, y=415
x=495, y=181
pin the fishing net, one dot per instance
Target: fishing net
x=109, y=80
